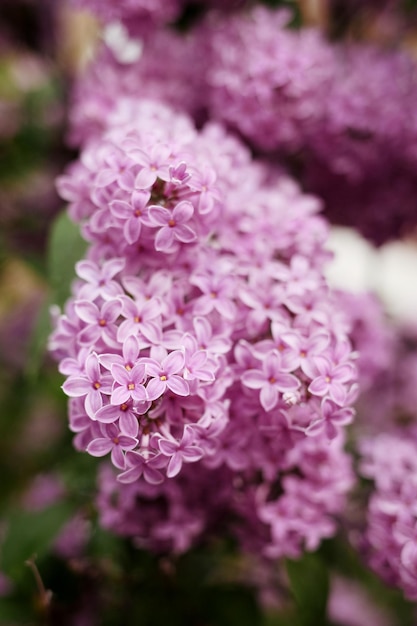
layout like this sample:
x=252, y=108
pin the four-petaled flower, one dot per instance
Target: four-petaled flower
x=180, y=451
x=132, y=214
x=173, y=225
x=270, y=380
x=128, y=383
x=91, y=386
x=112, y=441
x=332, y=379
x=164, y=376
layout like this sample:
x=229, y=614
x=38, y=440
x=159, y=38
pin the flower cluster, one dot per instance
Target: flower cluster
x=389, y=542
x=346, y=111
x=201, y=337
x=386, y=442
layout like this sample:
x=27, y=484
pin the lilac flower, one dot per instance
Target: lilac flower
x=181, y=452
x=140, y=316
x=270, y=380
x=164, y=376
x=331, y=379
x=125, y=414
x=207, y=405
x=133, y=214
x=100, y=322
x=128, y=384
x=174, y=225
x=138, y=465
x=99, y=280
x=332, y=417
x=112, y=441
x=197, y=363
x=217, y=293
x=91, y=386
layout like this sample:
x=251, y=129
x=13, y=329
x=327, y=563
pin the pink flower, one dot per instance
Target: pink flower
x=165, y=376
x=112, y=441
x=180, y=452
x=174, y=225
x=142, y=316
x=100, y=321
x=217, y=293
x=132, y=215
x=100, y=279
x=270, y=380
x=128, y=383
x=91, y=386
x=332, y=379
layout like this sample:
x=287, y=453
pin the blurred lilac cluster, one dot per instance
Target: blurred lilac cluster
x=345, y=111
x=384, y=529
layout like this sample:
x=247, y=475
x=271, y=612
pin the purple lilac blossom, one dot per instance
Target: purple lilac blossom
x=214, y=378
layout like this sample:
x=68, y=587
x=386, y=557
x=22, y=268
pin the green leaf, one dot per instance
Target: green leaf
x=66, y=247
x=38, y=342
x=309, y=581
x=31, y=534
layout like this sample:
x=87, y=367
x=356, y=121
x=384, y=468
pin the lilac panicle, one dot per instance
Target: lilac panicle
x=203, y=347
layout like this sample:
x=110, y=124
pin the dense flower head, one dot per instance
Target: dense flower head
x=201, y=332
x=267, y=81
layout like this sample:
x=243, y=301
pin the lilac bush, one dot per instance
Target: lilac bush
x=245, y=434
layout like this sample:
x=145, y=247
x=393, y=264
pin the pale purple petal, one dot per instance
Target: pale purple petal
x=155, y=388
x=159, y=216
x=174, y=466
x=128, y=424
x=178, y=385
x=269, y=397
x=145, y=178
x=183, y=212
x=121, y=209
x=319, y=386
x=108, y=414
x=184, y=233
x=117, y=457
x=93, y=403
x=168, y=448
x=174, y=362
x=254, y=379
x=76, y=387
x=99, y=447
x=87, y=311
x=164, y=239
x=120, y=395
x=132, y=229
